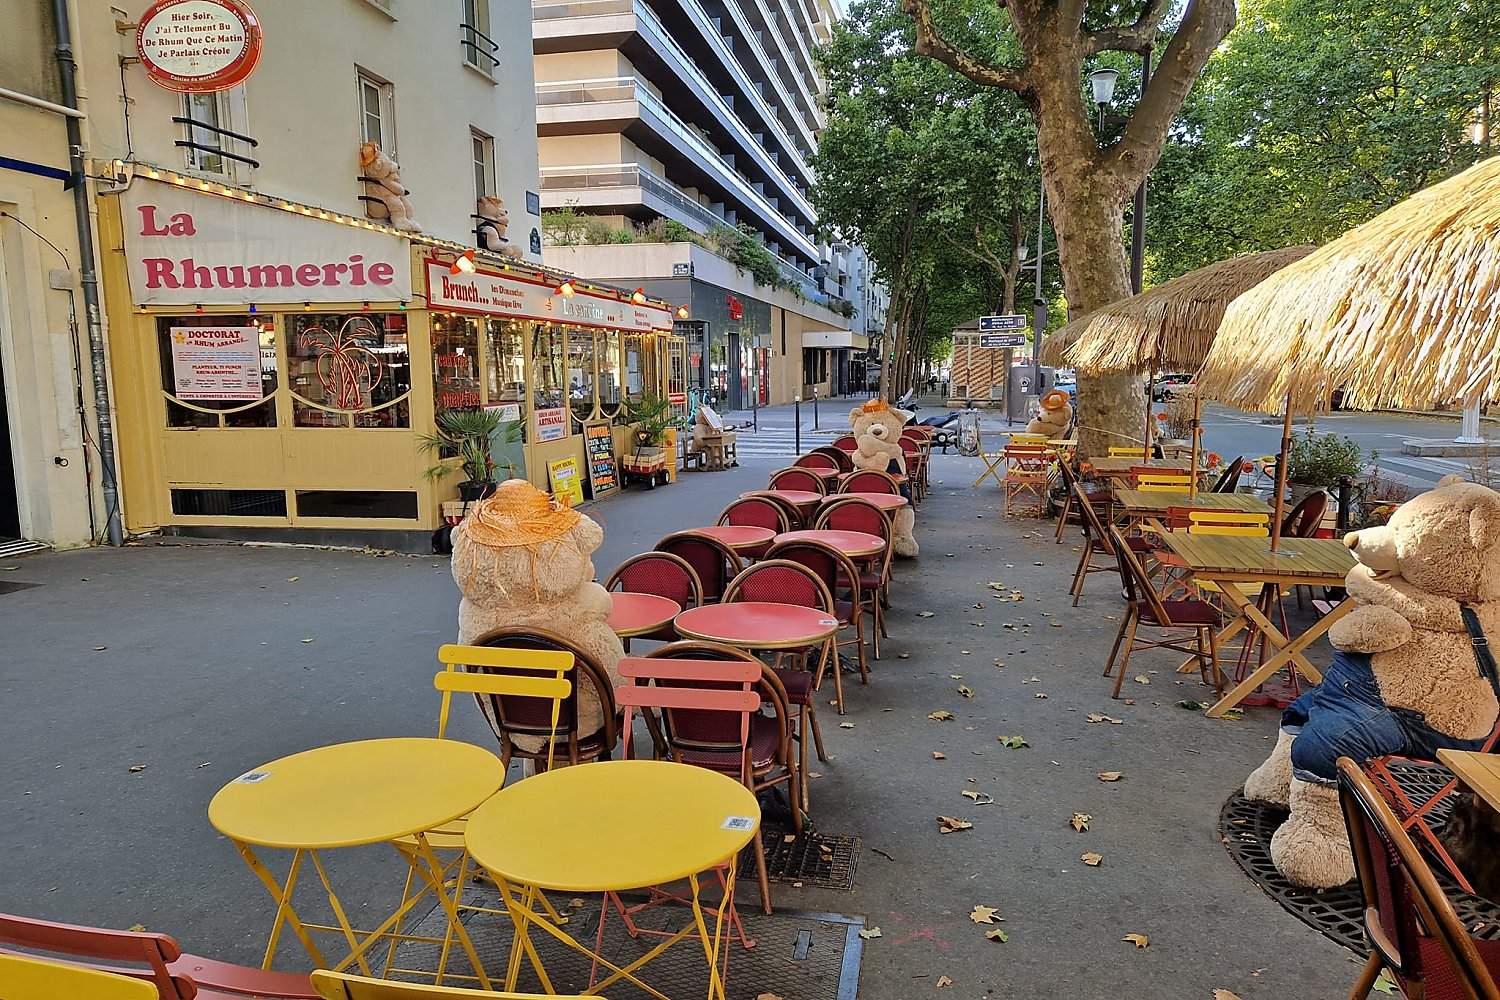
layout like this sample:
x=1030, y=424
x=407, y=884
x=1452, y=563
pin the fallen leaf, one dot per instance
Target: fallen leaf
x=1222, y=994
x=1141, y=679
x=979, y=798
x=1040, y=694
x=941, y=715
x=939, y=755
x=136, y=768
x=903, y=656
x=1092, y=859
x=982, y=914
x=1139, y=940
x=1190, y=705
x=1031, y=680
x=206, y=763
x=1385, y=984
x=1101, y=717
x=293, y=579
x=769, y=996
x=1080, y=821
x=925, y=614
x=955, y=677
x=871, y=932
x=306, y=640
x=577, y=902
x=136, y=928
x=1012, y=742
x=1111, y=775
x=1055, y=624
x=966, y=691
x=1130, y=701
x=951, y=824
x=944, y=981
x=1232, y=715
x=846, y=725
x=997, y=935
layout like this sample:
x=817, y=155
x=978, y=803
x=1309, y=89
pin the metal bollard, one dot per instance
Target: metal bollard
x=1344, y=486
x=797, y=422
x=815, y=413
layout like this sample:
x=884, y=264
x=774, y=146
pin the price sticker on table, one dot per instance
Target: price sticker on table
x=252, y=777
x=827, y=622
x=738, y=823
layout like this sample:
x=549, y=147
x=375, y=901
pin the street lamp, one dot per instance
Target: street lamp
x=1102, y=83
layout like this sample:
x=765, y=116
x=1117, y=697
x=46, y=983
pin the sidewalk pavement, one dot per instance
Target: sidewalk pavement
x=202, y=661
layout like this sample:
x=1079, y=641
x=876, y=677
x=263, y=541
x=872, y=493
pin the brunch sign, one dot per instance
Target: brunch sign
x=198, y=46
x=186, y=248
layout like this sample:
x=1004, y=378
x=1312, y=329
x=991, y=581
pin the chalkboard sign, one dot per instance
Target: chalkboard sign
x=599, y=449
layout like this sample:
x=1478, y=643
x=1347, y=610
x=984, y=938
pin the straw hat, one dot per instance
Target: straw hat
x=875, y=406
x=519, y=514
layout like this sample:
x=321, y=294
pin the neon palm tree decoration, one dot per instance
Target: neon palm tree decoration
x=346, y=368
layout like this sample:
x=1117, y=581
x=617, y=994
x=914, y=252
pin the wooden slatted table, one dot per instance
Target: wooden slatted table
x=1227, y=559
x=1151, y=505
x=1121, y=466
x=1479, y=771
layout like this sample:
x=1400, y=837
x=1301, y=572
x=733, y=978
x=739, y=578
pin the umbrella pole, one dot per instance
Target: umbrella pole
x=1150, y=388
x=1281, y=463
x=1197, y=433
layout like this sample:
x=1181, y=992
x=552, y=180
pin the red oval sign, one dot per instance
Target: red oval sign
x=198, y=46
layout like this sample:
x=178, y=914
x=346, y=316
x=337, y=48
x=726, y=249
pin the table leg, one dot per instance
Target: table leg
x=285, y=913
x=1239, y=624
x=1288, y=652
x=433, y=872
x=711, y=948
x=520, y=915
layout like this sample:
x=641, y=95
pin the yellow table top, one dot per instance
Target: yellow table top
x=1479, y=771
x=349, y=794
x=612, y=825
x=1316, y=560
x=1157, y=501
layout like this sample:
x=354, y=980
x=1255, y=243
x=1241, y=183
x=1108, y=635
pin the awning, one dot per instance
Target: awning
x=836, y=339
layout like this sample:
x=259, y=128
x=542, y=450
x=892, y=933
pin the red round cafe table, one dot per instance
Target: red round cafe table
x=885, y=501
x=797, y=498
x=640, y=614
x=739, y=537
x=757, y=625
x=854, y=544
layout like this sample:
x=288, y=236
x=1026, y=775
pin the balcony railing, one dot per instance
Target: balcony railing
x=631, y=175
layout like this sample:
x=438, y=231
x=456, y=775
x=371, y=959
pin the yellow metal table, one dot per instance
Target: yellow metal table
x=609, y=827
x=351, y=795
x=1228, y=559
x=1479, y=771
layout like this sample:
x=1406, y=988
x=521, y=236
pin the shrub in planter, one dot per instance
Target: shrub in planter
x=1318, y=461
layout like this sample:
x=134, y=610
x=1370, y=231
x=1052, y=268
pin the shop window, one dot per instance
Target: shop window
x=229, y=503
x=547, y=347
x=506, y=360
x=455, y=362
x=349, y=369
x=356, y=503
x=635, y=368
x=609, y=372
x=218, y=371
x=581, y=373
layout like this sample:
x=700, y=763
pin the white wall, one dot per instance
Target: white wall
x=301, y=104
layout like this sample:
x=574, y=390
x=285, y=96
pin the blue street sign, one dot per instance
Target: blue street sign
x=995, y=324
x=1002, y=339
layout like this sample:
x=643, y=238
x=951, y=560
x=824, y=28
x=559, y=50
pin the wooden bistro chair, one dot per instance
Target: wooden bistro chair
x=870, y=481
x=1171, y=618
x=1027, y=471
x=154, y=958
x=756, y=512
x=846, y=443
x=1099, y=498
x=1096, y=542
x=840, y=456
x=841, y=577
x=856, y=514
x=1415, y=935
x=816, y=460
x=797, y=479
x=342, y=986
x=26, y=978
x=662, y=574
x=1229, y=479
x=713, y=561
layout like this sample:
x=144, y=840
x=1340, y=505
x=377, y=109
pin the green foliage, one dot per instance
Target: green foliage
x=1320, y=459
x=470, y=435
x=664, y=230
x=651, y=416
x=1315, y=116
x=740, y=247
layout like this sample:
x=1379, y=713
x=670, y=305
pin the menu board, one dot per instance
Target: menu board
x=599, y=450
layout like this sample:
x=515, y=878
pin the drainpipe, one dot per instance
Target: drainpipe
x=67, y=69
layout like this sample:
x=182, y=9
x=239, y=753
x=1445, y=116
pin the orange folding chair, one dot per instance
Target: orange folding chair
x=1028, y=470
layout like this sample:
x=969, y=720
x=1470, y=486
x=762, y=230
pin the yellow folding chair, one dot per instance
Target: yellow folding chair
x=551, y=684
x=1121, y=451
x=1244, y=524
x=341, y=986
x=1163, y=482
x=25, y=978
x=994, y=464
x=1022, y=437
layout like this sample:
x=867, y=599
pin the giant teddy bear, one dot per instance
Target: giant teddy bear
x=522, y=560
x=1054, y=414
x=494, y=223
x=877, y=434
x=1404, y=678
x=385, y=196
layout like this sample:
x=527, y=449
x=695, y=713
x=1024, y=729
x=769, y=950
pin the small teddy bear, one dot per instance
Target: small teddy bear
x=493, y=225
x=1405, y=678
x=877, y=434
x=521, y=560
x=1054, y=414
x=384, y=186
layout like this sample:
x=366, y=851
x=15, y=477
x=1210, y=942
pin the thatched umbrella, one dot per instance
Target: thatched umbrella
x=1054, y=346
x=1402, y=311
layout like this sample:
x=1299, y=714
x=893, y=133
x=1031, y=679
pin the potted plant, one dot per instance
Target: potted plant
x=469, y=435
x=1318, y=461
x=650, y=419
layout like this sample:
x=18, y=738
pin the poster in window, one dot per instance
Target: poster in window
x=599, y=449
x=216, y=363
x=551, y=424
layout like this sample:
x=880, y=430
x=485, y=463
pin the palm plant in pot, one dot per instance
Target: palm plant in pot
x=469, y=436
x=651, y=417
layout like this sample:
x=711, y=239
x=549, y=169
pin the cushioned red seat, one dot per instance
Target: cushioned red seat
x=764, y=737
x=1182, y=613
x=798, y=684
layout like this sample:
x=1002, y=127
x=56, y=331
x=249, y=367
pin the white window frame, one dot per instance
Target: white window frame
x=230, y=113
x=386, y=91
x=484, y=164
x=476, y=13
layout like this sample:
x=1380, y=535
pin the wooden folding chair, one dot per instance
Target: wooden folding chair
x=1028, y=470
x=1158, y=481
x=1096, y=541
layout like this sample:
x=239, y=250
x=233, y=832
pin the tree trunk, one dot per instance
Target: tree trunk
x=1013, y=265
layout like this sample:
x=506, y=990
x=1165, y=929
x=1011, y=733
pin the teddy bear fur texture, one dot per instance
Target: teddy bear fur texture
x=1440, y=550
x=877, y=434
x=549, y=586
x=385, y=187
x=494, y=224
x=1054, y=414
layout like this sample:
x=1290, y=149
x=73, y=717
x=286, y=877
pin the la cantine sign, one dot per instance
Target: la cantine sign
x=183, y=248
x=198, y=46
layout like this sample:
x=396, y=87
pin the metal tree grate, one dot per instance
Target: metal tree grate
x=1246, y=826
x=822, y=859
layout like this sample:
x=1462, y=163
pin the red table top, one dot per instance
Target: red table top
x=757, y=624
x=820, y=473
x=739, y=536
x=885, y=501
x=851, y=543
x=639, y=614
x=797, y=498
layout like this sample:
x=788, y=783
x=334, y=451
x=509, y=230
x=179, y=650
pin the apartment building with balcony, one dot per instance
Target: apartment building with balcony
x=706, y=113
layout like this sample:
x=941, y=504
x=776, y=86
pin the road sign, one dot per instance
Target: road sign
x=995, y=324
x=1002, y=339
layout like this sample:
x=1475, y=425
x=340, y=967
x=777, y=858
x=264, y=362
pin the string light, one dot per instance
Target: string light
x=639, y=297
x=566, y=289
x=252, y=309
x=307, y=307
x=198, y=309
